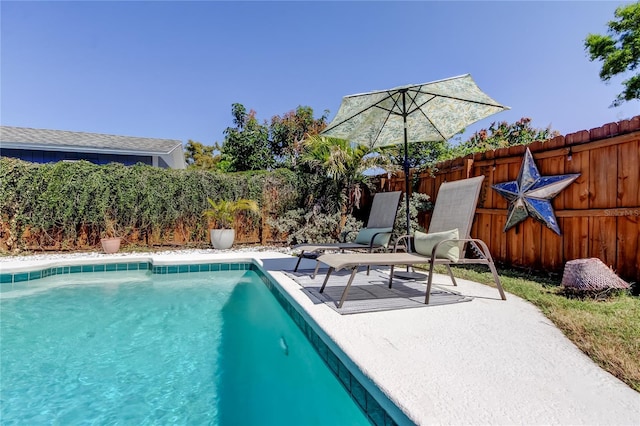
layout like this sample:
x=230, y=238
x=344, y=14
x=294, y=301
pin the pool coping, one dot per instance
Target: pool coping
x=483, y=362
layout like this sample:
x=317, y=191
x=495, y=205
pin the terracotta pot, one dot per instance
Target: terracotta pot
x=110, y=245
x=222, y=238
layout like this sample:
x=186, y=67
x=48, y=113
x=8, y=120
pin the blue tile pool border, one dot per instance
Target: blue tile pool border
x=17, y=277
x=376, y=414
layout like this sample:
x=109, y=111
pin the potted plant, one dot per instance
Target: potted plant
x=222, y=213
x=110, y=241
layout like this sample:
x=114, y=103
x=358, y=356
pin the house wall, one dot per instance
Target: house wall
x=42, y=156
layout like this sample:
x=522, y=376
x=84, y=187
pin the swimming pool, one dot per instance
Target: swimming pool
x=133, y=347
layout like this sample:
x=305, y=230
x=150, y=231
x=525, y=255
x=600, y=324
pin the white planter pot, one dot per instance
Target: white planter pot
x=222, y=238
x=110, y=245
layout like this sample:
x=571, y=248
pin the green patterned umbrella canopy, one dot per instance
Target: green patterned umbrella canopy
x=432, y=111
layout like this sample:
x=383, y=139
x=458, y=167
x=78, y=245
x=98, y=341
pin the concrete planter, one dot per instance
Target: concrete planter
x=110, y=245
x=222, y=238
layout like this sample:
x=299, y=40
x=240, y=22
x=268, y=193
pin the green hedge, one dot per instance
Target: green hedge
x=64, y=199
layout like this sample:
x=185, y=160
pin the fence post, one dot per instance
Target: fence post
x=468, y=168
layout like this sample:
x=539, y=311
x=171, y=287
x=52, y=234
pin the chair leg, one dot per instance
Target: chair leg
x=346, y=289
x=315, y=271
x=326, y=279
x=298, y=262
x=429, y=281
x=486, y=255
x=497, y=280
x=451, y=275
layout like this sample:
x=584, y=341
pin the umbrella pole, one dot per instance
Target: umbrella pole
x=406, y=182
x=406, y=162
x=409, y=275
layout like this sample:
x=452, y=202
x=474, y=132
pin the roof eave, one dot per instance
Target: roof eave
x=72, y=148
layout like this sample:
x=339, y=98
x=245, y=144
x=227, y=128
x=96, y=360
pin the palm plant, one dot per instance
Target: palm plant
x=345, y=163
x=224, y=212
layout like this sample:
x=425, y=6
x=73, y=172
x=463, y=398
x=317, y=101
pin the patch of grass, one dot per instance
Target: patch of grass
x=608, y=330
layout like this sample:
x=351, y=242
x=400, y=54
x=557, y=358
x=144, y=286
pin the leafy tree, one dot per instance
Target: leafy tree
x=419, y=154
x=501, y=135
x=287, y=133
x=246, y=146
x=202, y=156
x=619, y=50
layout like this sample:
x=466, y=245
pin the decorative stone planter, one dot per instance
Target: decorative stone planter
x=591, y=275
x=110, y=245
x=222, y=238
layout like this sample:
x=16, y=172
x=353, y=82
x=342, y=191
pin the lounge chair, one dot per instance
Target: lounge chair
x=444, y=244
x=376, y=235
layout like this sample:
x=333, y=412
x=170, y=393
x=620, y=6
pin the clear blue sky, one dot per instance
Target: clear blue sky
x=173, y=69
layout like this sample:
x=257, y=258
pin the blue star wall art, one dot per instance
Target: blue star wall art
x=531, y=194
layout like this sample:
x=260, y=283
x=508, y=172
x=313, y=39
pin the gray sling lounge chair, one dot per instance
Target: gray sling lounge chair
x=376, y=235
x=452, y=214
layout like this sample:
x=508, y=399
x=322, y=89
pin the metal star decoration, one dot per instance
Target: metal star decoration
x=531, y=194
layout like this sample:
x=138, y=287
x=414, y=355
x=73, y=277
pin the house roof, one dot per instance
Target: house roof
x=28, y=138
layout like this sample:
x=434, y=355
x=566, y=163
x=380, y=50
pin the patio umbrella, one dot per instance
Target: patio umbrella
x=433, y=111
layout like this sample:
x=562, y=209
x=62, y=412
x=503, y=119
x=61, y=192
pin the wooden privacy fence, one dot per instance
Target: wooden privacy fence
x=598, y=214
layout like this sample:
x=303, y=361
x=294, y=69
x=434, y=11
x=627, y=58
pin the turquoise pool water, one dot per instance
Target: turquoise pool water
x=138, y=348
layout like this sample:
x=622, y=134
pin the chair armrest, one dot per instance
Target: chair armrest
x=373, y=237
x=407, y=244
x=480, y=245
x=344, y=234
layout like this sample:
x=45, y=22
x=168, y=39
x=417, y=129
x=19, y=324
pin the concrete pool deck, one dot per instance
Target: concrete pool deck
x=486, y=361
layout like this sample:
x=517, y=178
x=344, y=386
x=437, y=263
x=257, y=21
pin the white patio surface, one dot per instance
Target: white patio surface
x=486, y=361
